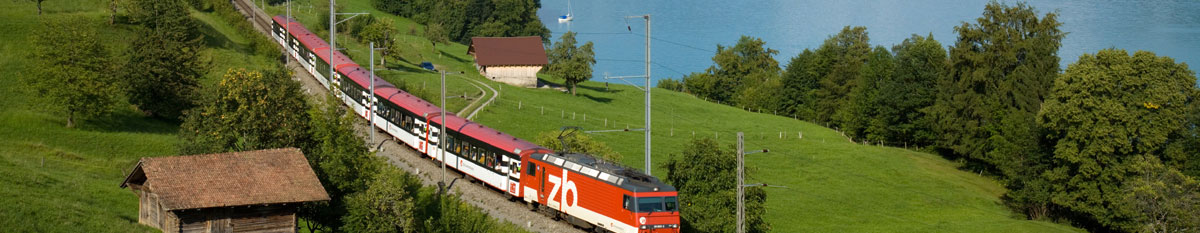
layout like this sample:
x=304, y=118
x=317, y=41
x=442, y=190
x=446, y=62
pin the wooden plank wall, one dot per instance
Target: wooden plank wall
x=272, y=218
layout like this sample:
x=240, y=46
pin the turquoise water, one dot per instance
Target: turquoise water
x=686, y=32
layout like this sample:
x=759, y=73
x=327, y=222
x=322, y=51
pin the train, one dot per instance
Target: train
x=577, y=188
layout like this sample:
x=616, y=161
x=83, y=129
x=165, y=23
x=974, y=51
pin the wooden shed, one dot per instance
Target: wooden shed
x=252, y=191
x=512, y=60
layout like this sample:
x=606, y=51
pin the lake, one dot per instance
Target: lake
x=686, y=32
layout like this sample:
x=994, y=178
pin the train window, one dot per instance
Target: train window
x=532, y=169
x=628, y=203
x=672, y=205
x=649, y=204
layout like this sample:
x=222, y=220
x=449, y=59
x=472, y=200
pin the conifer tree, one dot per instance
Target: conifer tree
x=166, y=58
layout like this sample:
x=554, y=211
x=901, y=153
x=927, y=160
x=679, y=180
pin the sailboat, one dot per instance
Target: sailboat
x=567, y=17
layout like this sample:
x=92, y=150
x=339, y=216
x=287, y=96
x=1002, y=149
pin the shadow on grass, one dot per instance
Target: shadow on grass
x=597, y=99
x=130, y=121
x=214, y=39
x=456, y=58
x=412, y=68
x=599, y=88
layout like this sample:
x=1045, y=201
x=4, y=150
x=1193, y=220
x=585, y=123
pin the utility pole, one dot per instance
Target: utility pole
x=371, y=98
x=332, y=43
x=741, y=183
x=645, y=88
x=442, y=134
x=741, y=211
x=287, y=28
x=647, y=17
x=333, y=37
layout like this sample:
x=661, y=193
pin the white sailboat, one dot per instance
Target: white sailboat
x=567, y=17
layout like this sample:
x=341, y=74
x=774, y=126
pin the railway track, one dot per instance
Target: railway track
x=494, y=203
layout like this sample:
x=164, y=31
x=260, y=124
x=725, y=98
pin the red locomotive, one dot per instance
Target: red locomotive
x=578, y=188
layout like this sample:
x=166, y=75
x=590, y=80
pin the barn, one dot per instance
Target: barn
x=251, y=191
x=512, y=60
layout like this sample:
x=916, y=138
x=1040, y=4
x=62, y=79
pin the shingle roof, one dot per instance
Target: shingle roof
x=490, y=51
x=273, y=176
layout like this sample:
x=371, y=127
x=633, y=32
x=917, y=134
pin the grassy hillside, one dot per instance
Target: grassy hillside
x=66, y=180
x=833, y=185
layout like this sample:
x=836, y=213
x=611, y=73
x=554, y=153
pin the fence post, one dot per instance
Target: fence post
x=585, y=117
x=543, y=110
x=518, y=105
x=572, y=115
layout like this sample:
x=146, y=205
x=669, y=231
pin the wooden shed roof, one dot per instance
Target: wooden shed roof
x=493, y=51
x=273, y=176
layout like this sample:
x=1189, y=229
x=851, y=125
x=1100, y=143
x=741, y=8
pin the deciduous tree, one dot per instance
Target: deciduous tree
x=570, y=62
x=1107, y=112
x=71, y=72
x=381, y=31
x=247, y=110
x=738, y=72
x=341, y=161
x=1165, y=199
x=800, y=79
x=387, y=206
x=920, y=61
x=705, y=175
x=860, y=109
x=578, y=143
x=840, y=58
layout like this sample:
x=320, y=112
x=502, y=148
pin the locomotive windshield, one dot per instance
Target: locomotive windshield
x=656, y=204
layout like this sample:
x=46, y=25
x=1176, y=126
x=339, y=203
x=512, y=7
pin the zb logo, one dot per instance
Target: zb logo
x=568, y=188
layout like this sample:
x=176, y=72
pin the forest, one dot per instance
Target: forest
x=1110, y=143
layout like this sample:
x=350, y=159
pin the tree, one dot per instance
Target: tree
x=572, y=64
x=341, y=161
x=900, y=119
x=800, y=79
x=381, y=32
x=165, y=59
x=39, y=5
x=705, y=176
x=860, y=110
x=72, y=73
x=509, y=18
x=112, y=11
x=1000, y=66
x=387, y=206
x=579, y=143
x=840, y=60
x=1107, y=112
x=436, y=34
x=739, y=71
x=1165, y=198
x=670, y=84
x=247, y=110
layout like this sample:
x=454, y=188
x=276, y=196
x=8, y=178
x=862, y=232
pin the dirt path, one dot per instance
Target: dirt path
x=493, y=202
x=485, y=104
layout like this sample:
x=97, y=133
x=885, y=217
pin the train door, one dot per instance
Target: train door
x=532, y=181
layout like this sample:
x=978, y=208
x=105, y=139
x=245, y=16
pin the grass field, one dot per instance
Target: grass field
x=60, y=179
x=833, y=185
x=66, y=180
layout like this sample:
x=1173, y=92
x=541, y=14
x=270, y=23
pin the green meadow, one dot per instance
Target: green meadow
x=60, y=179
